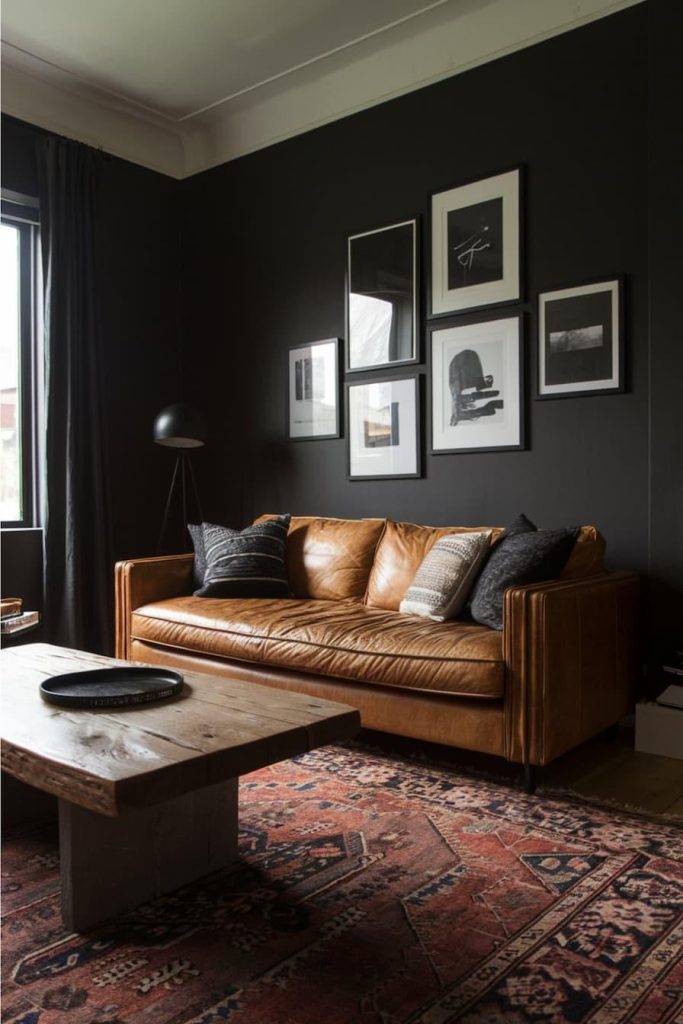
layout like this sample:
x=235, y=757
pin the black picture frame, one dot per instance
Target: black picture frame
x=587, y=321
x=383, y=269
x=514, y=325
x=336, y=356
x=501, y=196
x=416, y=378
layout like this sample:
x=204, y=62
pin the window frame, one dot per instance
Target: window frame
x=22, y=213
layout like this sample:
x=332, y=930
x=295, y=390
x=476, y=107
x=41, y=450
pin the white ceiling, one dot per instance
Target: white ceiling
x=178, y=57
x=182, y=85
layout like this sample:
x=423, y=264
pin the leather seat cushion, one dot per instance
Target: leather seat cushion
x=341, y=639
x=330, y=559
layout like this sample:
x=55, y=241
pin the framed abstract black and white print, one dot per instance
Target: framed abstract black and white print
x=476, y=386
x=580, y=340
x=383, y=418
x=476, y=248
x=381, y=297
x=313, y=391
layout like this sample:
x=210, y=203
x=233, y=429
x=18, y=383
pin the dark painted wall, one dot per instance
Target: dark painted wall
x=665, y=206
x=263, y=262
x=264, y=269
x=138, y=253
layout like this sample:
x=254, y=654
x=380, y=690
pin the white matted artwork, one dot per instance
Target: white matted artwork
x=313, y=406
x=476, y=385
x=476, y=244
x=383, y=428
x=580, y=340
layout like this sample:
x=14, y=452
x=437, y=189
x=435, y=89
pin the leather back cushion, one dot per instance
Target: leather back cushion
x=399, y=555
x=330, y=559
x=404, y=545
x=587, y=557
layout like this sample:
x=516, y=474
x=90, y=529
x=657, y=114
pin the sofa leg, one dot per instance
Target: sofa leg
x=530, y=778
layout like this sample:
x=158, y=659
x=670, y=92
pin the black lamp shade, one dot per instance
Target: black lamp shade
x=180, y=426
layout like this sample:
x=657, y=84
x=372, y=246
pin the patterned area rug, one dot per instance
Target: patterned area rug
x=379, y=891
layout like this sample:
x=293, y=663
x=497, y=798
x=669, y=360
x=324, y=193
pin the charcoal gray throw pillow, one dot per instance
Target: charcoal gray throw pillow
x=518, y=525
x=247, y=563
x=199, y=566
x=196, y=531
x=522, y=555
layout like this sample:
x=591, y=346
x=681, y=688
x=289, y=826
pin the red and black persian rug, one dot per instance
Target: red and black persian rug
x=379, y=891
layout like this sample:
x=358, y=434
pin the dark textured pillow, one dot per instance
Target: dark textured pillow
x=199, y=568
x=250, y=563
x=519, y=557
x=518, y=525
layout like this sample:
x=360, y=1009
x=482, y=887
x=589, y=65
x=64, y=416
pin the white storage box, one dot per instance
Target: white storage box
x=659, y=730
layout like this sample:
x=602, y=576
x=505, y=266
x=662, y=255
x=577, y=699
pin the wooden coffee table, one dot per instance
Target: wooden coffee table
x=147, y=795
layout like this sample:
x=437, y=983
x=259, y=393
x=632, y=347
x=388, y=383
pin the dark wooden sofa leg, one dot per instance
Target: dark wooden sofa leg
x=530, y=778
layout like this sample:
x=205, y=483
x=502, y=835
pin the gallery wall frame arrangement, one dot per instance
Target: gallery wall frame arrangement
x=476, y=354
x=382, y=291
x=313, y=392
x=383, y=428
x=476, y=244
x=581, y=340
x=476, y=385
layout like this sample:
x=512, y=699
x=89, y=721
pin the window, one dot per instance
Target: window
x=18, y=362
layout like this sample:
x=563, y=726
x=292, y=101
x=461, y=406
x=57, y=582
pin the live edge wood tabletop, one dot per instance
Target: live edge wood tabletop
x=147, y=794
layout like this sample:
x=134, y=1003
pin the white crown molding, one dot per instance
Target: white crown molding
x=317, y=59
x=60, y=105
x=442, y=41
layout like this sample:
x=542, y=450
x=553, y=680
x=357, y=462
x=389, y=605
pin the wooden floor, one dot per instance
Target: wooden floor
x=613, y=773
x=617, y=773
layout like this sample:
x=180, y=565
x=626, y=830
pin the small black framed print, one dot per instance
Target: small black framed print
x=313, y=391
x=581, y=340
x=383, y=418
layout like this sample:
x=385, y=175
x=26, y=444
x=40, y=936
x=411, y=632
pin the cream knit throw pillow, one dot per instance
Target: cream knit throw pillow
x=446, y=575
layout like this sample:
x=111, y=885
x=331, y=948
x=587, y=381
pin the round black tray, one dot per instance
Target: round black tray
x=111, y=687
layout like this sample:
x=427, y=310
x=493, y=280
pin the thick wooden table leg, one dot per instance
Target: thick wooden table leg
x=110, y=865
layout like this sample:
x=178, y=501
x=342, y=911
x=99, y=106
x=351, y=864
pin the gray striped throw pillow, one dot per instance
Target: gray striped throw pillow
x=250, y=563
x=446, y=575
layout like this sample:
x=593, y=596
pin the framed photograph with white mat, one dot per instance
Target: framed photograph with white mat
x=476, y=245
x=383, y=418
x=476, y=386
x=580, y=340
x=313, y=391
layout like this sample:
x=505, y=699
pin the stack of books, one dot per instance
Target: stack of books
x=13, y=619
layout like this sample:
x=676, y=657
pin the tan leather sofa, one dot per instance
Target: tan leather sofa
x=562, y=669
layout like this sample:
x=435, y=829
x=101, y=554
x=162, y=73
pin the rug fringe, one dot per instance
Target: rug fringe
x=612, y=803
x=544, y=789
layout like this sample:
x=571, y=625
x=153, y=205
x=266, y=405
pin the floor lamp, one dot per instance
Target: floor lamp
x=181, y=427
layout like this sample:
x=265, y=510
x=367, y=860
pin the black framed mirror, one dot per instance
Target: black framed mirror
x=381, y=297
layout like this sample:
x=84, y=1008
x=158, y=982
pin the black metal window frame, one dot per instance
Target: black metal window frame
x=22, y=214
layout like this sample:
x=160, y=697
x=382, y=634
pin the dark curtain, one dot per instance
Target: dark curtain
x=78, y=568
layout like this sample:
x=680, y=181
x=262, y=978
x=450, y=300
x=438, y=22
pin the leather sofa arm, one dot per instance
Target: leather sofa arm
x=143, y=580
x=571, y=653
